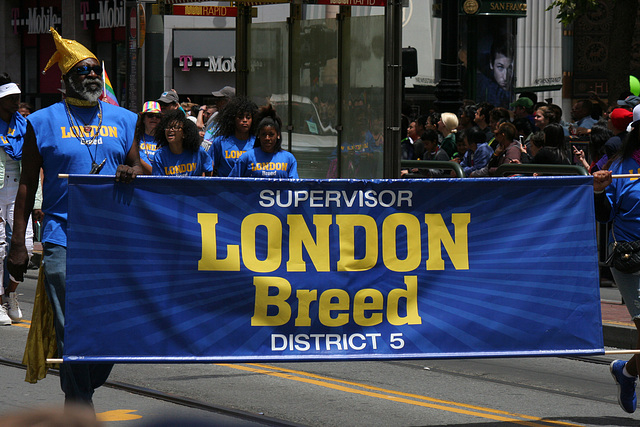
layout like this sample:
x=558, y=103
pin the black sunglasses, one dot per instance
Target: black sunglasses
x=87, y=69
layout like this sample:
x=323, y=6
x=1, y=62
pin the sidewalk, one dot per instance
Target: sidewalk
x=617, y=328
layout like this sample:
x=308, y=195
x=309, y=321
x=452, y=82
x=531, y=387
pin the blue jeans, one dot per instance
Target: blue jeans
x=77, y=380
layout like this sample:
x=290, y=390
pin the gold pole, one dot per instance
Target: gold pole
x=607, y=353
x=626, y=175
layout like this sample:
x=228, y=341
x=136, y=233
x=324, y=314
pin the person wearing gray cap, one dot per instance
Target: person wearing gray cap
x=629, y=102
x=226, y=92
x=169, y=100
x=223, y=96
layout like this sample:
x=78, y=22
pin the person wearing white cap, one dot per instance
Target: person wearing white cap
x=12, y=129
x=636, y=117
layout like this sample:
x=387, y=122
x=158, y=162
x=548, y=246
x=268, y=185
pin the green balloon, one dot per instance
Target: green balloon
x=634, y=85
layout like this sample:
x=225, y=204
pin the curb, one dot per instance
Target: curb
x=619, y=336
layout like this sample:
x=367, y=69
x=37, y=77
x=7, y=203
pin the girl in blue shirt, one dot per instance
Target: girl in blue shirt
x=179, y=152
x=267, y=159
x=235, y=134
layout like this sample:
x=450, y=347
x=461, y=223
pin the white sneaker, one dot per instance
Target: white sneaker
x=5, y=320
x=13, y=309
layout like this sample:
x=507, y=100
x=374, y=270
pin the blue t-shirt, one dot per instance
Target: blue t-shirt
x=586, y=122
x=256, y=163
x=225, y=150
x=63, y=153
x=187, y=163
x=624, y=195
x=12, y=135
x=148, y=148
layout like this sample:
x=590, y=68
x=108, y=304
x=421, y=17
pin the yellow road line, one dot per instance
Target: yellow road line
x=118, y=415
x=488, y=413
x=23, y=324
x=613, y=322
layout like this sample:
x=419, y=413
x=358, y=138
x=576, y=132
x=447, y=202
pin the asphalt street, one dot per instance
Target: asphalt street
x=117, y=404
x=480, y=392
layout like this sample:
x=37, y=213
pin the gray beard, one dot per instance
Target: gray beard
x=82, y=88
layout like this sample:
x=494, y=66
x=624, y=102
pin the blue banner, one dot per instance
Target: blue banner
x=212, y=269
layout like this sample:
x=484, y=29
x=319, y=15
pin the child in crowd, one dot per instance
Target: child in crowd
x=267, y=159
x=461, y=148
x=179, y=152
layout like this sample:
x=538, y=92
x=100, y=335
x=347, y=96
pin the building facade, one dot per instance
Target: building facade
x=324, y=64
x=27, y=45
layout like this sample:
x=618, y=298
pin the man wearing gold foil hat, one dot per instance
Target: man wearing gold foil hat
x=78, y=135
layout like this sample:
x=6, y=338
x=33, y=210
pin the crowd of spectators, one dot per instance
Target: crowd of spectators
x=481, y=137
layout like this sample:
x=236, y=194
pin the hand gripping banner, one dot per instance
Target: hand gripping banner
x=208, y=269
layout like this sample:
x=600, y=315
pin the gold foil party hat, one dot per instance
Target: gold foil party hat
x=68, y=53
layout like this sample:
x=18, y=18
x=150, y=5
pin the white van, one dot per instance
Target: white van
x=312, y=143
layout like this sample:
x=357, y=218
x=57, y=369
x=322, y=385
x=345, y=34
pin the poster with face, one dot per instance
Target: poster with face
x=496, y=61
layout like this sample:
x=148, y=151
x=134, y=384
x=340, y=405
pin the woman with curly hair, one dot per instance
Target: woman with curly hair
x=267, y=159
x=179, y=152
x=235, y=134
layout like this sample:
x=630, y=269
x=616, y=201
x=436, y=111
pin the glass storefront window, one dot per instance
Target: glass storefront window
x=268, y=61
x=303, y=87
x=363, y=98
x=315, y=93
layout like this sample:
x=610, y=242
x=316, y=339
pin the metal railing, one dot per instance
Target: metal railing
x=433, y=164
x=530, y=169
x=503, y=170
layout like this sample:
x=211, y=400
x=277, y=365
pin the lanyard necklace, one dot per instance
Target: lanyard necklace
x=87, y=128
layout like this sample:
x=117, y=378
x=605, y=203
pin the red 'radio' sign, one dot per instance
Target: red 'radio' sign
x=227, y=11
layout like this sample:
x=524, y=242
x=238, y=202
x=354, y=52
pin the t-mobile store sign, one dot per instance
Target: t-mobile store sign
x=203, y=60
x=213, y=64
